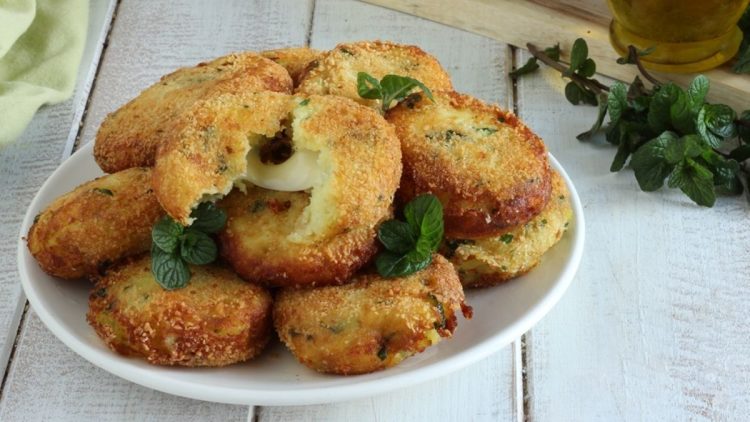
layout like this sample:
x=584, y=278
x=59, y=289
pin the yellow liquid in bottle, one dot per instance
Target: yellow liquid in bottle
x=687, y=35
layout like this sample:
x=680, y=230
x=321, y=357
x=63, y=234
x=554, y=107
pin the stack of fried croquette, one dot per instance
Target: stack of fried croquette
x=300, y=261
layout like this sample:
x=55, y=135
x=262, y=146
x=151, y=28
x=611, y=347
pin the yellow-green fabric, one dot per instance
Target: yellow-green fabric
x=41, y=43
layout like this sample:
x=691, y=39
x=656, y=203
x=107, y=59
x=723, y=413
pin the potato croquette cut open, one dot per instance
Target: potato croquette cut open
x=216, y=320
x=346, y=155
x=372, y=323
x=130, y=136
x=335, y=72
x=488, y=169
x=294, y=59
x=100, y=222
x=496, y=259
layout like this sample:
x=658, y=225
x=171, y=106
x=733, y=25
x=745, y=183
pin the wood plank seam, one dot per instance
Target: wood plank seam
x=15, y=345
x=72, y=140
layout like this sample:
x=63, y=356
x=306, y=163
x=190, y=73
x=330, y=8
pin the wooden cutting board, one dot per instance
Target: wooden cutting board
x=547, y=22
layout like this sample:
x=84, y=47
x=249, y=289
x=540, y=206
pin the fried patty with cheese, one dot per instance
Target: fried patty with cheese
x=259, y=241
x=488, y=169
x=216, y=320
x=495, y=259
x=354, y=154
x=129, y=136
x=335, y=72
x=294, y=59
x=97, y=224
x=372, y=323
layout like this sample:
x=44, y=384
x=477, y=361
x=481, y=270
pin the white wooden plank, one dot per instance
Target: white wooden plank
x=655, y=325
x=148, y=39
x=486, y=390
x=26, y=163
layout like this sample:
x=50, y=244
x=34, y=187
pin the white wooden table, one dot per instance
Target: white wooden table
x=655, y=326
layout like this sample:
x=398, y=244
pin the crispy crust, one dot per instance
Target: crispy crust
x=256, y=242
x=294, y=59
x=372, y=323
x=488, y=169
x=130, y=136
x=95, y=225
x=216, y=320
x=358, y=151
x=493, y=260
x=335, y=72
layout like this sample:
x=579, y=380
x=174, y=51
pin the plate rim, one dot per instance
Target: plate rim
x=318, y=395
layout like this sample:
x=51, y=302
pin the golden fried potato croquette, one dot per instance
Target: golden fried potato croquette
x=488, y=169
x=129, y=136
x=257, y=241
x=294, y=59
x=216, y=320
x=335, y=72
x=355, y=154
x=372, y=323
x=493, y=260
x=97, y=224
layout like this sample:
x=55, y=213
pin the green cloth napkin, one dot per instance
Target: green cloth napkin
x=41, y=43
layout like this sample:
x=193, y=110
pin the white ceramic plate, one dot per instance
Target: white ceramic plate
x=501, y=314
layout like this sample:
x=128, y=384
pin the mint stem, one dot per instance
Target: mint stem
x=596, y=86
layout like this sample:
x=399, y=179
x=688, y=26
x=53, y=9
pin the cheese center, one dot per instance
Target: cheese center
x=299, y=172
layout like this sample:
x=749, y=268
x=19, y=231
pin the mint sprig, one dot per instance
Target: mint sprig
x=173, y=246
x=409, y=245
x=389, y=89
x=666, y=133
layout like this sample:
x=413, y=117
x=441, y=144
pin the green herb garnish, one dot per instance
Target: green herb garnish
x=173, y=246
x=409, y=245
x=665, y=132
x=532, y=64
x=506, y=238
x=104, y=191
x=391, y=88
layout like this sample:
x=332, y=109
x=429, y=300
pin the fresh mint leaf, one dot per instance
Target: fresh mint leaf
x=391, y=264
x=696, y=181
x=553, y=52
x=396, y=88
x=697, y=92
x=573, y=93
x=197, y=248
x=681, y=114
x=208, y=218
x=170, y=271
x=578, y=54
x=603, y=105
x=617, y=102
x=649, y=162
x=397, y=236
x=166, y=233
x=424, y=214
x=587, y=69
x=368, y=87
x=530, y=66
x=676, y=150
x=715, y=123
x=659, y=113
x=410, y=245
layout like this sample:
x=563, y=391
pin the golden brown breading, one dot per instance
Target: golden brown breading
x=488, y=169
x=294, y=59
x=129, y=136
x=96, y=225
x=335, y=72
x=256, y=241
x=216, y=320
x=358, y=154
x=372, y=323
x=493, y=260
